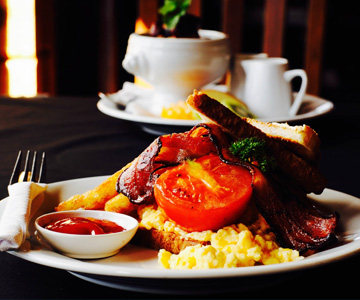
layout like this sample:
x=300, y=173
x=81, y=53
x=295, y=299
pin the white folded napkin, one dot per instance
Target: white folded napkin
x=133, y=97
x=20, y=207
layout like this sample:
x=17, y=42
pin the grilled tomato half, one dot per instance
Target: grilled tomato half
x=204, y=194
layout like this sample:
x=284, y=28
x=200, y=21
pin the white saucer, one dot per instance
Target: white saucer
x=311, y=107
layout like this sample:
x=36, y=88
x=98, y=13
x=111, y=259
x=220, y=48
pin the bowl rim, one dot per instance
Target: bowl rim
x=39, y=227
x=206, y=33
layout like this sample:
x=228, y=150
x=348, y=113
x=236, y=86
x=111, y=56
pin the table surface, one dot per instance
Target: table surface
x=80, y=142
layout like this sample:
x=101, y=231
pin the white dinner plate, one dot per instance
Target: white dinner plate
x=136, y=268
x=311, y=107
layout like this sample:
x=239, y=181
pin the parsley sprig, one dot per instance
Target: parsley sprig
x=253, y=150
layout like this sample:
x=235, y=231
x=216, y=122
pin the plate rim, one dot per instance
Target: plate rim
x=46, y=256
x=110, y=109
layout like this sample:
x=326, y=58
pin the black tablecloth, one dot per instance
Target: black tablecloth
x=80, y=142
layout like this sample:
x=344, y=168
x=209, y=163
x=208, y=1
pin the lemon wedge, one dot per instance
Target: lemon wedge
x=182, y=111
x=231, y=102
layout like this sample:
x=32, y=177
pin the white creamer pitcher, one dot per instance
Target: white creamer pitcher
x=268, y=91
x=237, y=82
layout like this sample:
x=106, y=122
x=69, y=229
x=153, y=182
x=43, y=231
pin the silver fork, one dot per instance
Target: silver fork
x=28, y=174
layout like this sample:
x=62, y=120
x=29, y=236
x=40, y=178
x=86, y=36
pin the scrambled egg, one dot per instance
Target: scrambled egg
x=179, y=110
x=232, y=246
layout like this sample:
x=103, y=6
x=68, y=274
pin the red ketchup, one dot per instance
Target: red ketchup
x=88, y=226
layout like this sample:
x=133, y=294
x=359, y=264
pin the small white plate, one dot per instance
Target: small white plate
x=136, y=268
x=311, y=107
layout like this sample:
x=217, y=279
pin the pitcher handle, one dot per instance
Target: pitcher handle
x=290, y=75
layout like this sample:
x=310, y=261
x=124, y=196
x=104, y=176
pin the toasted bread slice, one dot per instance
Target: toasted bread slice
x=169, y=241
x=301, y=171
x=302, y=140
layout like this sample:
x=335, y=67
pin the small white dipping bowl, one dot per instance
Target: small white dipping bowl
x=87, y=246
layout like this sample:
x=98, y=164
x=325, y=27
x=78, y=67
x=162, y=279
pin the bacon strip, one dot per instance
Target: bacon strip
x=296, y=225
x=166, y=151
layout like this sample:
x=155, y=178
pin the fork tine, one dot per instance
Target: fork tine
x=26, y=166
x=42, y=170
x=32, y=172
x=16, y=171
x=28, y=175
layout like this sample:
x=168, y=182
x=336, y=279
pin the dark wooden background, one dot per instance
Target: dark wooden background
x=81, y=43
